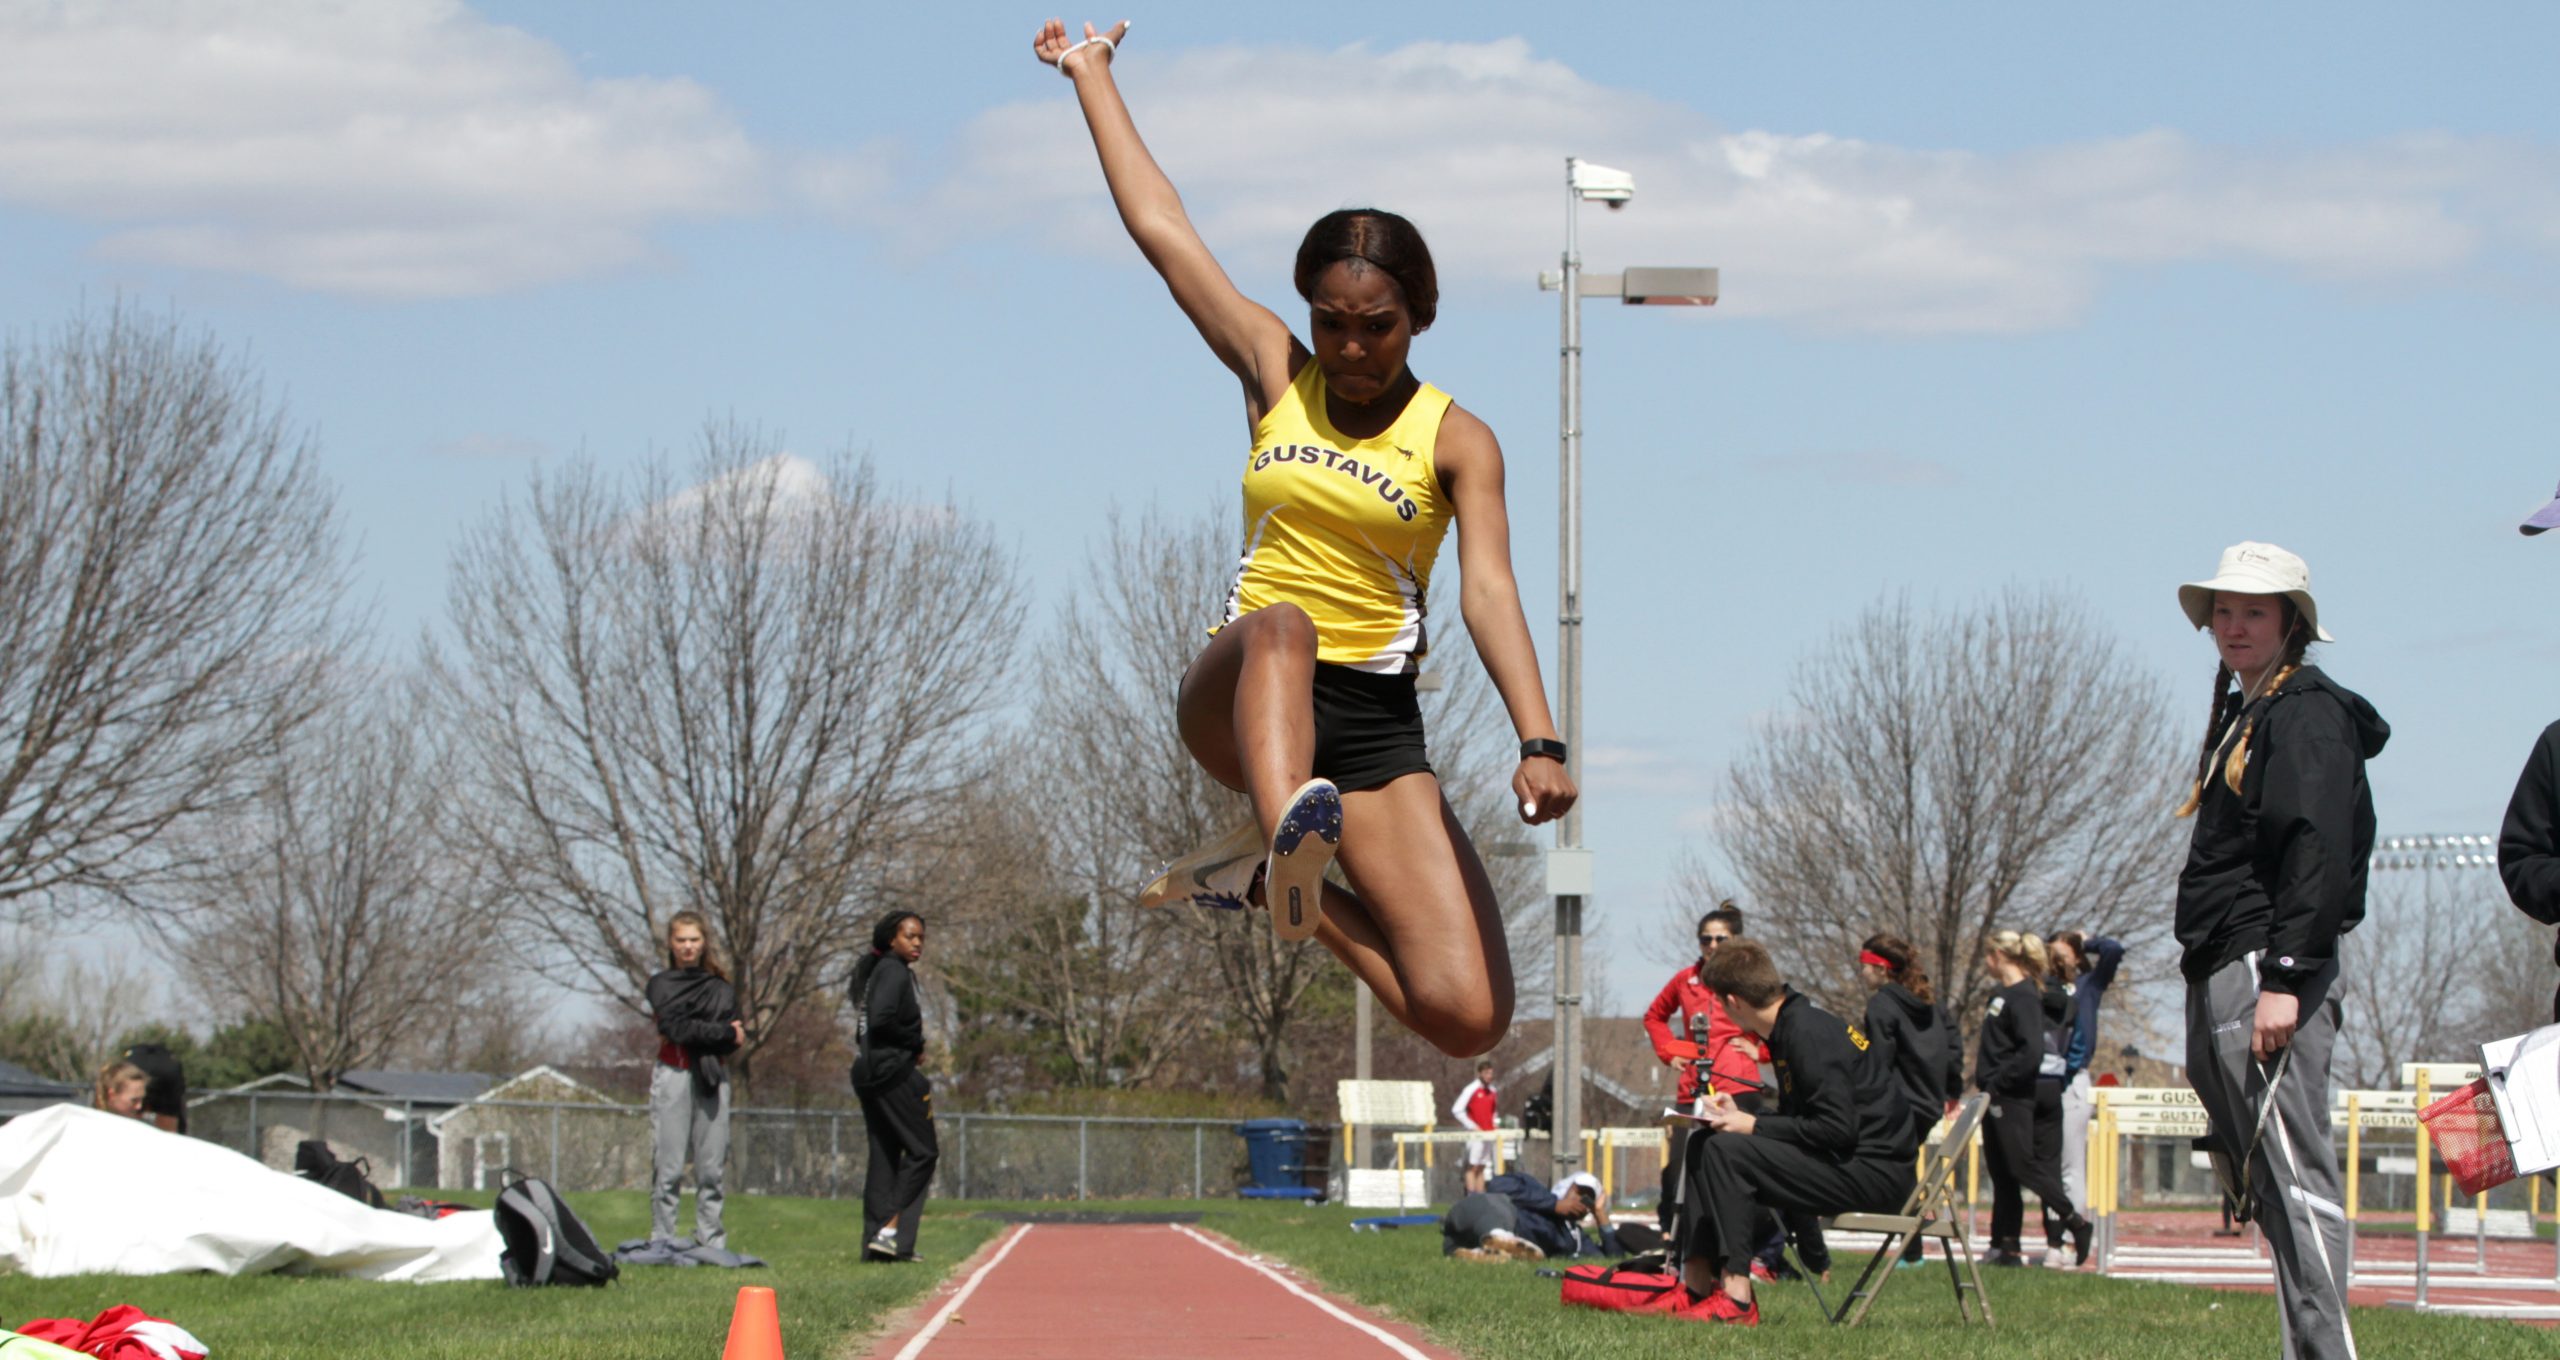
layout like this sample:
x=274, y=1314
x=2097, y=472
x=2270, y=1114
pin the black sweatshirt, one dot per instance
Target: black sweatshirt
x=1917, y=1044
x=2529, y=843
x=2012, y=1041
x=2279, y=867
x=693, y=1008
x=1837, y=1097
x=892, y=1019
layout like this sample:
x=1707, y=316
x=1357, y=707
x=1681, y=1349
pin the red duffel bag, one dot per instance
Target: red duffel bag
x=1636, y=1285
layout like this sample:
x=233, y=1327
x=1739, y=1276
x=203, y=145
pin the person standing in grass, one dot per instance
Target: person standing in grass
x=2529, y=839
x=889, y=1080
x=1913, y=1032
x=2008, y=1065
x=1709, y=1049
x=698, y=1025
x=1474, y=1109
x=2275, y=876
x=2088, y=967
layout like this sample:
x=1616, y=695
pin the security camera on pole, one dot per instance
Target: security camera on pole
x=1569, y=874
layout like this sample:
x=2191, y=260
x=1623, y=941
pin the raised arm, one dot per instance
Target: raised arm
x=1470, y=468
x=1246, y=336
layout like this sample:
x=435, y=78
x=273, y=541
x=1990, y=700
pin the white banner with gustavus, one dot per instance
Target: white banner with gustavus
x=86, y=1192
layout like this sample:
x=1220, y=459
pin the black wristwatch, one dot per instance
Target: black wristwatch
x=1549, y=747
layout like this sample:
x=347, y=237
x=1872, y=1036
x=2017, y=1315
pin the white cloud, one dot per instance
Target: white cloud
x=1638, y=771
x=793, y=483
x=1469, y=140
x=405, y=148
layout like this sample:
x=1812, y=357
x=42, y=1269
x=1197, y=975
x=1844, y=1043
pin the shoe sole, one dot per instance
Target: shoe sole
x=1186, y=881
x=1293, y=884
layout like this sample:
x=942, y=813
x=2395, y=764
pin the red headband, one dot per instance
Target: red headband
x=1879, y=960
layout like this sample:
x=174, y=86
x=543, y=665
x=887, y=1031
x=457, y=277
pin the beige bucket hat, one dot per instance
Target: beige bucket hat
x=2255, y=569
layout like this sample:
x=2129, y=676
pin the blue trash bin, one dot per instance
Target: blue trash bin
x=1275, y=1150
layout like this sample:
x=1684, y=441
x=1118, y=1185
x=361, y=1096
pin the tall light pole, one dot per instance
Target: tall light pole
x=1569, y=874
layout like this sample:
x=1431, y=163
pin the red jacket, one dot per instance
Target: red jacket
x=1732, y=1052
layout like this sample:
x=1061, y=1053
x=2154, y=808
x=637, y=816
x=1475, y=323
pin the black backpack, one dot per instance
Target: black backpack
x=314, y=1162
x=545, y=1242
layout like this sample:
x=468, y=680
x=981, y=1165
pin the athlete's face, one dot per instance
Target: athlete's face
x=2248, y=630
x=1361, y=330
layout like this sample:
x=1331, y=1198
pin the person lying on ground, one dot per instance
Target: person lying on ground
x=1517, y=1217
x=1839, y=1141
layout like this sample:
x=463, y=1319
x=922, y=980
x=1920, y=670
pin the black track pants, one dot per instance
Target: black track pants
x=2010, y=1153
x=898, y=1118
x=1741, y=1177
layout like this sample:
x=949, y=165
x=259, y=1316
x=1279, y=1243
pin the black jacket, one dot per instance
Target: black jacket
x=2280, y=865
x=891, y=1020
x=693, y=1009
x=1837, y=1096
x=2012, y=1042
x=2056, y=999
x=2529, y=843
x=1918, y=1044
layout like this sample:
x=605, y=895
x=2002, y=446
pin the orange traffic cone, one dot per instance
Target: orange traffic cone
x=755, y=1329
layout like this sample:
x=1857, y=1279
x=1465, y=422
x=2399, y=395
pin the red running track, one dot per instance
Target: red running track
x=1049, y=1291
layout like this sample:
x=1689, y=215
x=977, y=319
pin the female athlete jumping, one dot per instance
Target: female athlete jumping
x=1304, y=696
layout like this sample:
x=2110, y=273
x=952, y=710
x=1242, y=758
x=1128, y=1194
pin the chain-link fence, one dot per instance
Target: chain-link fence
x=587, y=1145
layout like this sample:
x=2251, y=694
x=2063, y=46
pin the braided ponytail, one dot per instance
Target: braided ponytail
x=2223, y=698
x=2239, y=761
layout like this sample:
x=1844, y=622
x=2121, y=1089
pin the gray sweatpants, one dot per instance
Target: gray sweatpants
x=2294, y=1176
x=684, y=1123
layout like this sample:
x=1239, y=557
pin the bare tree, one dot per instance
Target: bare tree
x=169, y=580
x=2516, y=977
x=332, y=907
x=2002, y=766
x=60, y=1012
x=2433, y=973
x=744, y=697
x=1049, y=959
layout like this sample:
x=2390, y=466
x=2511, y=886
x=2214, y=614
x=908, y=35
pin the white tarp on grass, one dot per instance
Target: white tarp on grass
x=86, y=1192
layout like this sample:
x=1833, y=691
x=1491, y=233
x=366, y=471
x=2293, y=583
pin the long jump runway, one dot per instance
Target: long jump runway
x=1138, y=1292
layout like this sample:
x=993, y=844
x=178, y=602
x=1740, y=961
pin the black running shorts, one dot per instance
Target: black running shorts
x=1368, y=727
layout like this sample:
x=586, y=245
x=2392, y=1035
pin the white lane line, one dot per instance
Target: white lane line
x=942, y=1315
x=1384, y=1337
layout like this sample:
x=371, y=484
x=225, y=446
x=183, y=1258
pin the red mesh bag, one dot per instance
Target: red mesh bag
x=2468, y=1136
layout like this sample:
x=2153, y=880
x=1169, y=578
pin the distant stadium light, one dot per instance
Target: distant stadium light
x=2407, y=853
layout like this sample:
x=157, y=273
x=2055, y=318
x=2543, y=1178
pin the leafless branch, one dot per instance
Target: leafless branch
x=744, y=696
x=169, y=584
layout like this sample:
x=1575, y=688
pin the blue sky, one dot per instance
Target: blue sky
x=2013, y=293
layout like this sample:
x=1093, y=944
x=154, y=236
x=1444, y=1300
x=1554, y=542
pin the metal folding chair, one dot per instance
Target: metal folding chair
x=1931, y=1212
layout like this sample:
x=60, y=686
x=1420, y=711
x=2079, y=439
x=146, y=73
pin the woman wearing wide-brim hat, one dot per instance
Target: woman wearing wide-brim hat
x=2275, y=875
x=2529, y=841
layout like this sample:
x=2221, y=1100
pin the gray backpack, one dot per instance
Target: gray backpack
x=545, y=1241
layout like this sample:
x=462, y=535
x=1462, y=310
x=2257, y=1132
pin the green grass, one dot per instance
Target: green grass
x=831, y=1304
x=828, y=1300
x=1508, y=1312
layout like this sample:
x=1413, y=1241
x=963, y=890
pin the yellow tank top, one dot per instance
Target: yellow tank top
x=1344, y=528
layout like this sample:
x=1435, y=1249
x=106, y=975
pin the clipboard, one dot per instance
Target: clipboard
x=2523, y=1076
